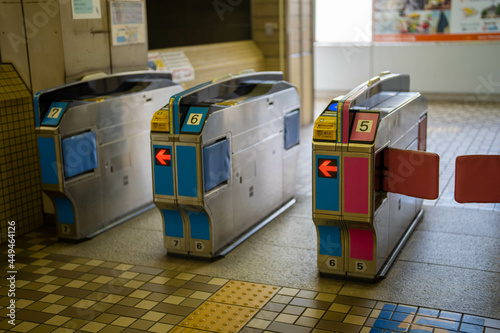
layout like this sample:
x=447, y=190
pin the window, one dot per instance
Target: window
x=340, y=21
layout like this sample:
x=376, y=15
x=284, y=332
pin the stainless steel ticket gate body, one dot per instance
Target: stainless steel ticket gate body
x=93, y=140
x=224, y=161
x=370, y=172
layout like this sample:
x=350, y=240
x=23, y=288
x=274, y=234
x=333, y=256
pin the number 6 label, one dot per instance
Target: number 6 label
x=195, y=118
x=332, y=263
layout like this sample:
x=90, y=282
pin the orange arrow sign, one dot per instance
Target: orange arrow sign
x=162, y=157
x=325, y=168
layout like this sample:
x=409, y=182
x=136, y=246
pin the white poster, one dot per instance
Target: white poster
x=475, y=16
x=176, y=63
x=127, y=22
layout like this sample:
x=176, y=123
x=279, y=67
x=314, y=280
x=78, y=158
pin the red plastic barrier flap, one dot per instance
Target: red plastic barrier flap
x=477, y=178
x=410, y=172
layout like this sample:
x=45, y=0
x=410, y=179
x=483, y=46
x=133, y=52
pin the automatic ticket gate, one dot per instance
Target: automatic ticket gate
x=224, y=161
x=93, y=140
x=370, y=173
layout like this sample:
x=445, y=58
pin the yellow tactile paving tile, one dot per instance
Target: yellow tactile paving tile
x=245, y=294
x=229, y=309
x=218, y=317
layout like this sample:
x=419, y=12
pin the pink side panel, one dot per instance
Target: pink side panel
x=361, y=244
x=356, y=185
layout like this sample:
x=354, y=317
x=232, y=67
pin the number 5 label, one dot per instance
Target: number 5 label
x=360, y=266
x=195, y=118
x=364, y=126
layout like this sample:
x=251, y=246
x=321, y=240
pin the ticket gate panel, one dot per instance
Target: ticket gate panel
x=48, y=160
x=357, y=177
x=79, y=154
x=64, y=209
x=290, y=161
x=254, y=194
x=362, y=129
x=188, y=174
x=163, y=182
x=77, y=192
x=332, y=247
x=477, y=178
x=362, y=250
x=411, y=172
x=216, y=164
x=174, y=231
x=92, y=137
x=221, y=204
x=228, y=140
x=201, y=242
x=117, y=159
x=327, y=183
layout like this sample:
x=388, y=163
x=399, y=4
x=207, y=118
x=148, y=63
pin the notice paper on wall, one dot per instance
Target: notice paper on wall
x=176, y=63
x=127, y=22
x=86, y=9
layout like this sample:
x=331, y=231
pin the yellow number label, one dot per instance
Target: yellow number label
x=364, y=126
x=195, y=118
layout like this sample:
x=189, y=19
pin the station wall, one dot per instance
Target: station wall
x=444, y=68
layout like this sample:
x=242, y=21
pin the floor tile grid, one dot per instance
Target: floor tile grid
x=456, y=129
x=113, y=296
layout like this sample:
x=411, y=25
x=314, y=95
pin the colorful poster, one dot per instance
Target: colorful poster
x=176, y=63
x=436, y=20
x=127, y=22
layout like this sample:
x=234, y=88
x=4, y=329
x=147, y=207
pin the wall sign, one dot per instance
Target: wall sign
x=436, y=20
x=127, y=22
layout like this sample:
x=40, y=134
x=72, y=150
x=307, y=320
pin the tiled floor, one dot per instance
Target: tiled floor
x=445, y=280
x=460, y=129
x=61, y=293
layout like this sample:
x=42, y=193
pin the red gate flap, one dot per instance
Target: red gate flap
x=410, y=172
x=477, y=178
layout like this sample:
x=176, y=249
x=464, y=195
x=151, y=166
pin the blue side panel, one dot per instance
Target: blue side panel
x=48, y=164
x=54, y=114
x=174, y=227
x=163, y=177
x=292, y=129
x=64, y=210
x=79, y=154
x=327, y=189
x=37, y=110
x=330, y=243
x=187, y=182
x=216, y=164
x=200, y=228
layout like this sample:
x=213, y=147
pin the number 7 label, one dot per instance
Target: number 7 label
x=54, y=113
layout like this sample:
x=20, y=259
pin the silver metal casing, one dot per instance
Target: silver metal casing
x=93, y=139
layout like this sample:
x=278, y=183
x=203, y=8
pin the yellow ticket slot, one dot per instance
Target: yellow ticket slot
x=325, y=127
x=161, y=120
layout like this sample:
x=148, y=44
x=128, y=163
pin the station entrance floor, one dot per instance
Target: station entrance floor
x=447, y=277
